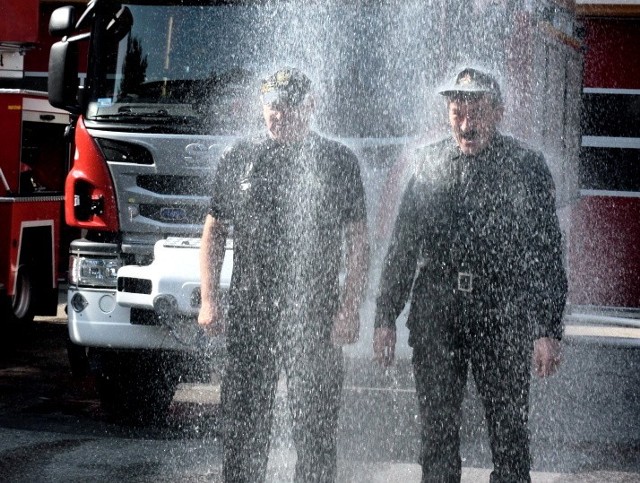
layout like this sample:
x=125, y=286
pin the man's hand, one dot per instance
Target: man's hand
x=346, y=326
x=547, y=356
x=346, y=322
x=384, y=346
x=210, y=319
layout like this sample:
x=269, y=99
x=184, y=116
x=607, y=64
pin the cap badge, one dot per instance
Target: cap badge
x=465, y=80
x=283, y=76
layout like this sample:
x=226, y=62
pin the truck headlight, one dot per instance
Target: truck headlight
x=93, y=272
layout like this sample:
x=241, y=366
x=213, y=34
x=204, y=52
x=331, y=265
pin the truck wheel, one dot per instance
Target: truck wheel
x=135, y=388
x=5, y=312
x=23, y=296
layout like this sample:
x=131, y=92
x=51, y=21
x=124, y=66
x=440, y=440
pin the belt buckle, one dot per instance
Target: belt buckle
x=465, y=282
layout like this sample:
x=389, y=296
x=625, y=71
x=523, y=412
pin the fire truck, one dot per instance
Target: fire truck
x=33, y=165
x=171, y=83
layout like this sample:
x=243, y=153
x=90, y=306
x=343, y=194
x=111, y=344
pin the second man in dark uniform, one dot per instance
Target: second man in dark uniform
x=477, y=243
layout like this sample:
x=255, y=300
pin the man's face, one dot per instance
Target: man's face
x=473, y=122
x=287, y=123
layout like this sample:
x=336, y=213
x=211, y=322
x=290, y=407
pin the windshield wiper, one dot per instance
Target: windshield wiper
x=127, y=113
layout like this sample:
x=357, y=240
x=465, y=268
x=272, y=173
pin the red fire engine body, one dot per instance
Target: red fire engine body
x=604, y=246
x=33, y=164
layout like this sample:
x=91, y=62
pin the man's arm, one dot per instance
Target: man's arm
x=550, y=277
x=212, y=250
x=397, y=277
x=346, y=327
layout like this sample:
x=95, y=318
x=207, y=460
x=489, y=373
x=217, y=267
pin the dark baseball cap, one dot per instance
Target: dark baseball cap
x=471, y=82
x=287, y=86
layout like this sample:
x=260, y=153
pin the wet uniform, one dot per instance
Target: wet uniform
x=477, y=238
x=288, y=205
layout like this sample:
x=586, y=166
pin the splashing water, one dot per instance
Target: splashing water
x=375, y=67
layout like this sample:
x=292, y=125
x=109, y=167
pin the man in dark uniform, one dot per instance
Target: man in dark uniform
x=295, y=201
x=478, y=246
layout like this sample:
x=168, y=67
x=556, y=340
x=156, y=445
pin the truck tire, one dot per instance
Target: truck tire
x=135, y=388
x=5, y=310
x=22, y=302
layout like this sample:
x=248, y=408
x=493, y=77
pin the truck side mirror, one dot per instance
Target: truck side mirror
x=63, y=76
x=62, y=21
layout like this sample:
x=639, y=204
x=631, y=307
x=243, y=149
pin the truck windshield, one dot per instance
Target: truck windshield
x=199, y=66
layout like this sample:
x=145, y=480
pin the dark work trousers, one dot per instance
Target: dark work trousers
x=500, y=358
x=314, y=375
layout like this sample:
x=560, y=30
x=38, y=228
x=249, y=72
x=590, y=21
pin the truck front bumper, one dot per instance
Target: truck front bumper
x=105, y=323
x=153, y=306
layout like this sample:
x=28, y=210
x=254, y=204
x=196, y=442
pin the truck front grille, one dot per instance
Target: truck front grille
x=174, y=185
x=179, y=214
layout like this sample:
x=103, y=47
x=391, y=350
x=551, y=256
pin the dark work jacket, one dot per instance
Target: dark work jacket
x=491, y=215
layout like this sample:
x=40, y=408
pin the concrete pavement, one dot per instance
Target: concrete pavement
x=585, y=426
